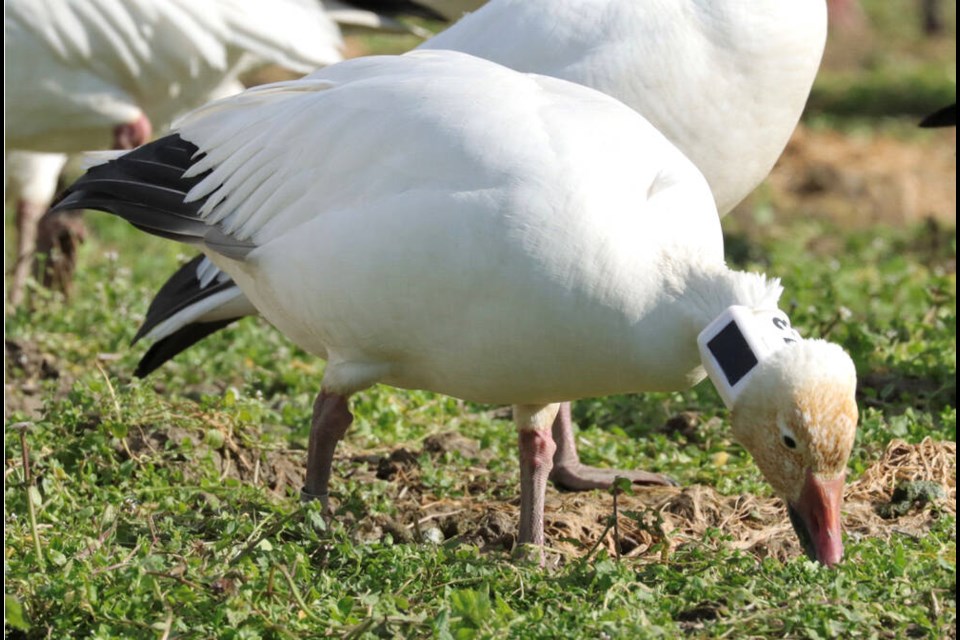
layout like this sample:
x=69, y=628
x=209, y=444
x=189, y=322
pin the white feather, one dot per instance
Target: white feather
x=510, y=216
x=77, y=68
x=724, y=80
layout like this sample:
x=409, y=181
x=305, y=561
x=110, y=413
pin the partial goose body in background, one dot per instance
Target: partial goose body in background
x=438, y=221
x=77, y=69
x=98, y=74
x=724, y=81
x=31, y=184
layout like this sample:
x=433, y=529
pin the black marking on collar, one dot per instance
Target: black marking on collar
x=732, y=353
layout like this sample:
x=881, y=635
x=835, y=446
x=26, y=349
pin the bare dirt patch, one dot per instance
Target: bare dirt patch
x=26, y=370
x=270, y=467
x=482, y=508
x=859, y=180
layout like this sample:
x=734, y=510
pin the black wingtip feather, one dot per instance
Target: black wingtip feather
x=180, y=291
x=145, y=187
x=167, y=348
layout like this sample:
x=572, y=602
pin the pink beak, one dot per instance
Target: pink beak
x=816, y=518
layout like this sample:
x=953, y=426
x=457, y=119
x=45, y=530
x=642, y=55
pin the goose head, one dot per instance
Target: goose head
x=798, y=419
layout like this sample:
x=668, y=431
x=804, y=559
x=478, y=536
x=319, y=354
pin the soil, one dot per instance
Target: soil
x=26, y=370
x=861, y=180
x=652, y=523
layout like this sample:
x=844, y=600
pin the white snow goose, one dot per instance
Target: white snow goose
x=98, y=74
x=437, y=221
x=725, y=81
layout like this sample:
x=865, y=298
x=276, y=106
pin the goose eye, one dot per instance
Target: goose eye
x=789, y=442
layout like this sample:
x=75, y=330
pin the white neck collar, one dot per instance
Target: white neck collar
x=737, y=341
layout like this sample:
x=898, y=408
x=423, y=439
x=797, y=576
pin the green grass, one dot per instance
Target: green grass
x=134, y=542
x=134, y=546
x=887, y=69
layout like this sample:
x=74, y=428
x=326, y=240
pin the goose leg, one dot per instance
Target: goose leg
x=59, y=237
x=32, y=179
x=331, y=419
x=536, y=460
x=60, y=234
x=570, y=474
x=28, y=215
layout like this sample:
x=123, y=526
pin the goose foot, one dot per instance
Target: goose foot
x=580, y=477
x=570, y=474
